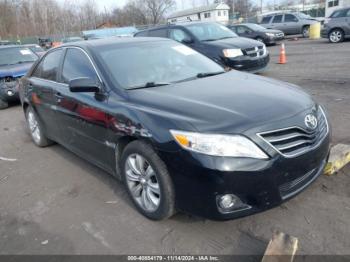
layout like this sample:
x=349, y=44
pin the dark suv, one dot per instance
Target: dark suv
x=337, y=27
x=216, y=42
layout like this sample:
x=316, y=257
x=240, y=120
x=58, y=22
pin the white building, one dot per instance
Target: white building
x=213, y=13
x=332, y=5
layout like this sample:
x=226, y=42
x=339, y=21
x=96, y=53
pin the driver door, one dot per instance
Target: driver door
x=83, y=117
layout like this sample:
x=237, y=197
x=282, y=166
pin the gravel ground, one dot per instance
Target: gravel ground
x=53, y=202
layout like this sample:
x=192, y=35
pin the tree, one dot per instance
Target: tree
x=156, y=9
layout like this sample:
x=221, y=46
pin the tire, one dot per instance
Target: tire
x=260, y=39
x=336, y=36
x=35, y=129
x=306, y=31
x=3, y=104
x=154, y=195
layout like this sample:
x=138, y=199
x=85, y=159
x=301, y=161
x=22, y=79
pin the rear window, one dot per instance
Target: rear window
x=266, y=20
x=142, y=34
x=158, y=33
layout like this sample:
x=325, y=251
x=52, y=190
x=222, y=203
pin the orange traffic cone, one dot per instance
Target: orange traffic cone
x=283, y=58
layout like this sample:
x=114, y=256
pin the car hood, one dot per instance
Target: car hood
x=235, y=42
x=15, y=70
x=272, y=31
x=231, y=102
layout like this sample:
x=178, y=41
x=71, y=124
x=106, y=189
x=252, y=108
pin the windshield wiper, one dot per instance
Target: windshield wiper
x=202, y=75
x=150, y=84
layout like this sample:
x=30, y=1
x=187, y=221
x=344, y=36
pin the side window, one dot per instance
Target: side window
x=290, y=18
x=178, y=35
x=76, y=64
x=348, y=13
x=266, y=20
x=158, y=33
x=277, y=19
x=48, y=67
x=241, y=29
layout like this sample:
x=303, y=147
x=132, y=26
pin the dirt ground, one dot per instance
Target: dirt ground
x=53, y=202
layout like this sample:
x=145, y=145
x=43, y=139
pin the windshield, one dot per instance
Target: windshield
x=12, y=56
x=37, y=48
x=210, y=31
x=159, y=63
x=302, y=15
x=256, y=27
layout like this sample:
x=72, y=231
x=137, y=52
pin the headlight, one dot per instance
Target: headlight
x=270, y=34
x=218, y=145
x=231, y=53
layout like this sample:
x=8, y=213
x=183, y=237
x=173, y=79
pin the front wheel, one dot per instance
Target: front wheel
x=3, y=104
x=35, y=129
x=336, y=36
x=147, y=181
x=306, y=31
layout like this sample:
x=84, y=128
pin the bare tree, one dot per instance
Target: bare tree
x=156, y=9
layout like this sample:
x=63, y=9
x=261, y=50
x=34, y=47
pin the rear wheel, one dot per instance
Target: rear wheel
x=306, y=31
x=336, y=36
x=147, y=181
x=3, y=104
x=35, y=129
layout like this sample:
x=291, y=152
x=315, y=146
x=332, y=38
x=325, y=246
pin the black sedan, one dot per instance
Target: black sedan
x=257, y=32
x=216, y=42
x=178, y=130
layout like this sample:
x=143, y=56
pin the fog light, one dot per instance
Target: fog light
x=10, y=93
x=227, y=201
x=230, y=203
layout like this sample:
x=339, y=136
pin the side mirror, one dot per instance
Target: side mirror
x=247, y=32
x=83, y=85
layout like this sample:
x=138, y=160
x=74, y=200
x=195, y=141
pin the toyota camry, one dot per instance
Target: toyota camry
x=180, y=132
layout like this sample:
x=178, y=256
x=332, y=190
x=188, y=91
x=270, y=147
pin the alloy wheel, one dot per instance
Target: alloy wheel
x=142, y=182
x=335, y=36
x=34, y=127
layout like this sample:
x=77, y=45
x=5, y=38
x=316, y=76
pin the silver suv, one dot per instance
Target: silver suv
x=337, y=27
x=291, y=23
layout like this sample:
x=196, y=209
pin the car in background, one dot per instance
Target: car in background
x=337, y=27
x=15, y=61
x=290, y=23
x=216, y=42
x=175, y=128
x=72, y=39
x=257, y=32
x=7, y=42
x=37, y=49
x=45, y=43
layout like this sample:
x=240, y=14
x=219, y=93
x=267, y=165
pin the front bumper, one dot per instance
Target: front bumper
x=9, y=91
x=246, y=63
x=260, y=184
x=273, y=40
x=324, y=32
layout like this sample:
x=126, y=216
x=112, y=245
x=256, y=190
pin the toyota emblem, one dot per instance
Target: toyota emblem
x=311, y=121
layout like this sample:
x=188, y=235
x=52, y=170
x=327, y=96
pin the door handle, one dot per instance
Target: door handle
x=58, y=96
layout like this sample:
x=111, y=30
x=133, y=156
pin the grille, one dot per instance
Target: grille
x=295, y=141
x=254, y=51
x=293, y=187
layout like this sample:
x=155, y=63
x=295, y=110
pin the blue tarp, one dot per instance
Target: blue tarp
x=106, y=32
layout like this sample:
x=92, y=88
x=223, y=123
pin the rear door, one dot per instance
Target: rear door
x=277, y=22
x=84, y=123
x=40, y=89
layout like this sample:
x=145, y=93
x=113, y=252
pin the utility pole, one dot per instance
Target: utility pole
x=261, y=6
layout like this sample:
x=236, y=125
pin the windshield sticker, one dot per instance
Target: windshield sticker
x=184, y=50
x=25, y=52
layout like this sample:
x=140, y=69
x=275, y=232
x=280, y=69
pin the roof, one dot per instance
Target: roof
x=200, y=9
x=93, y=44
